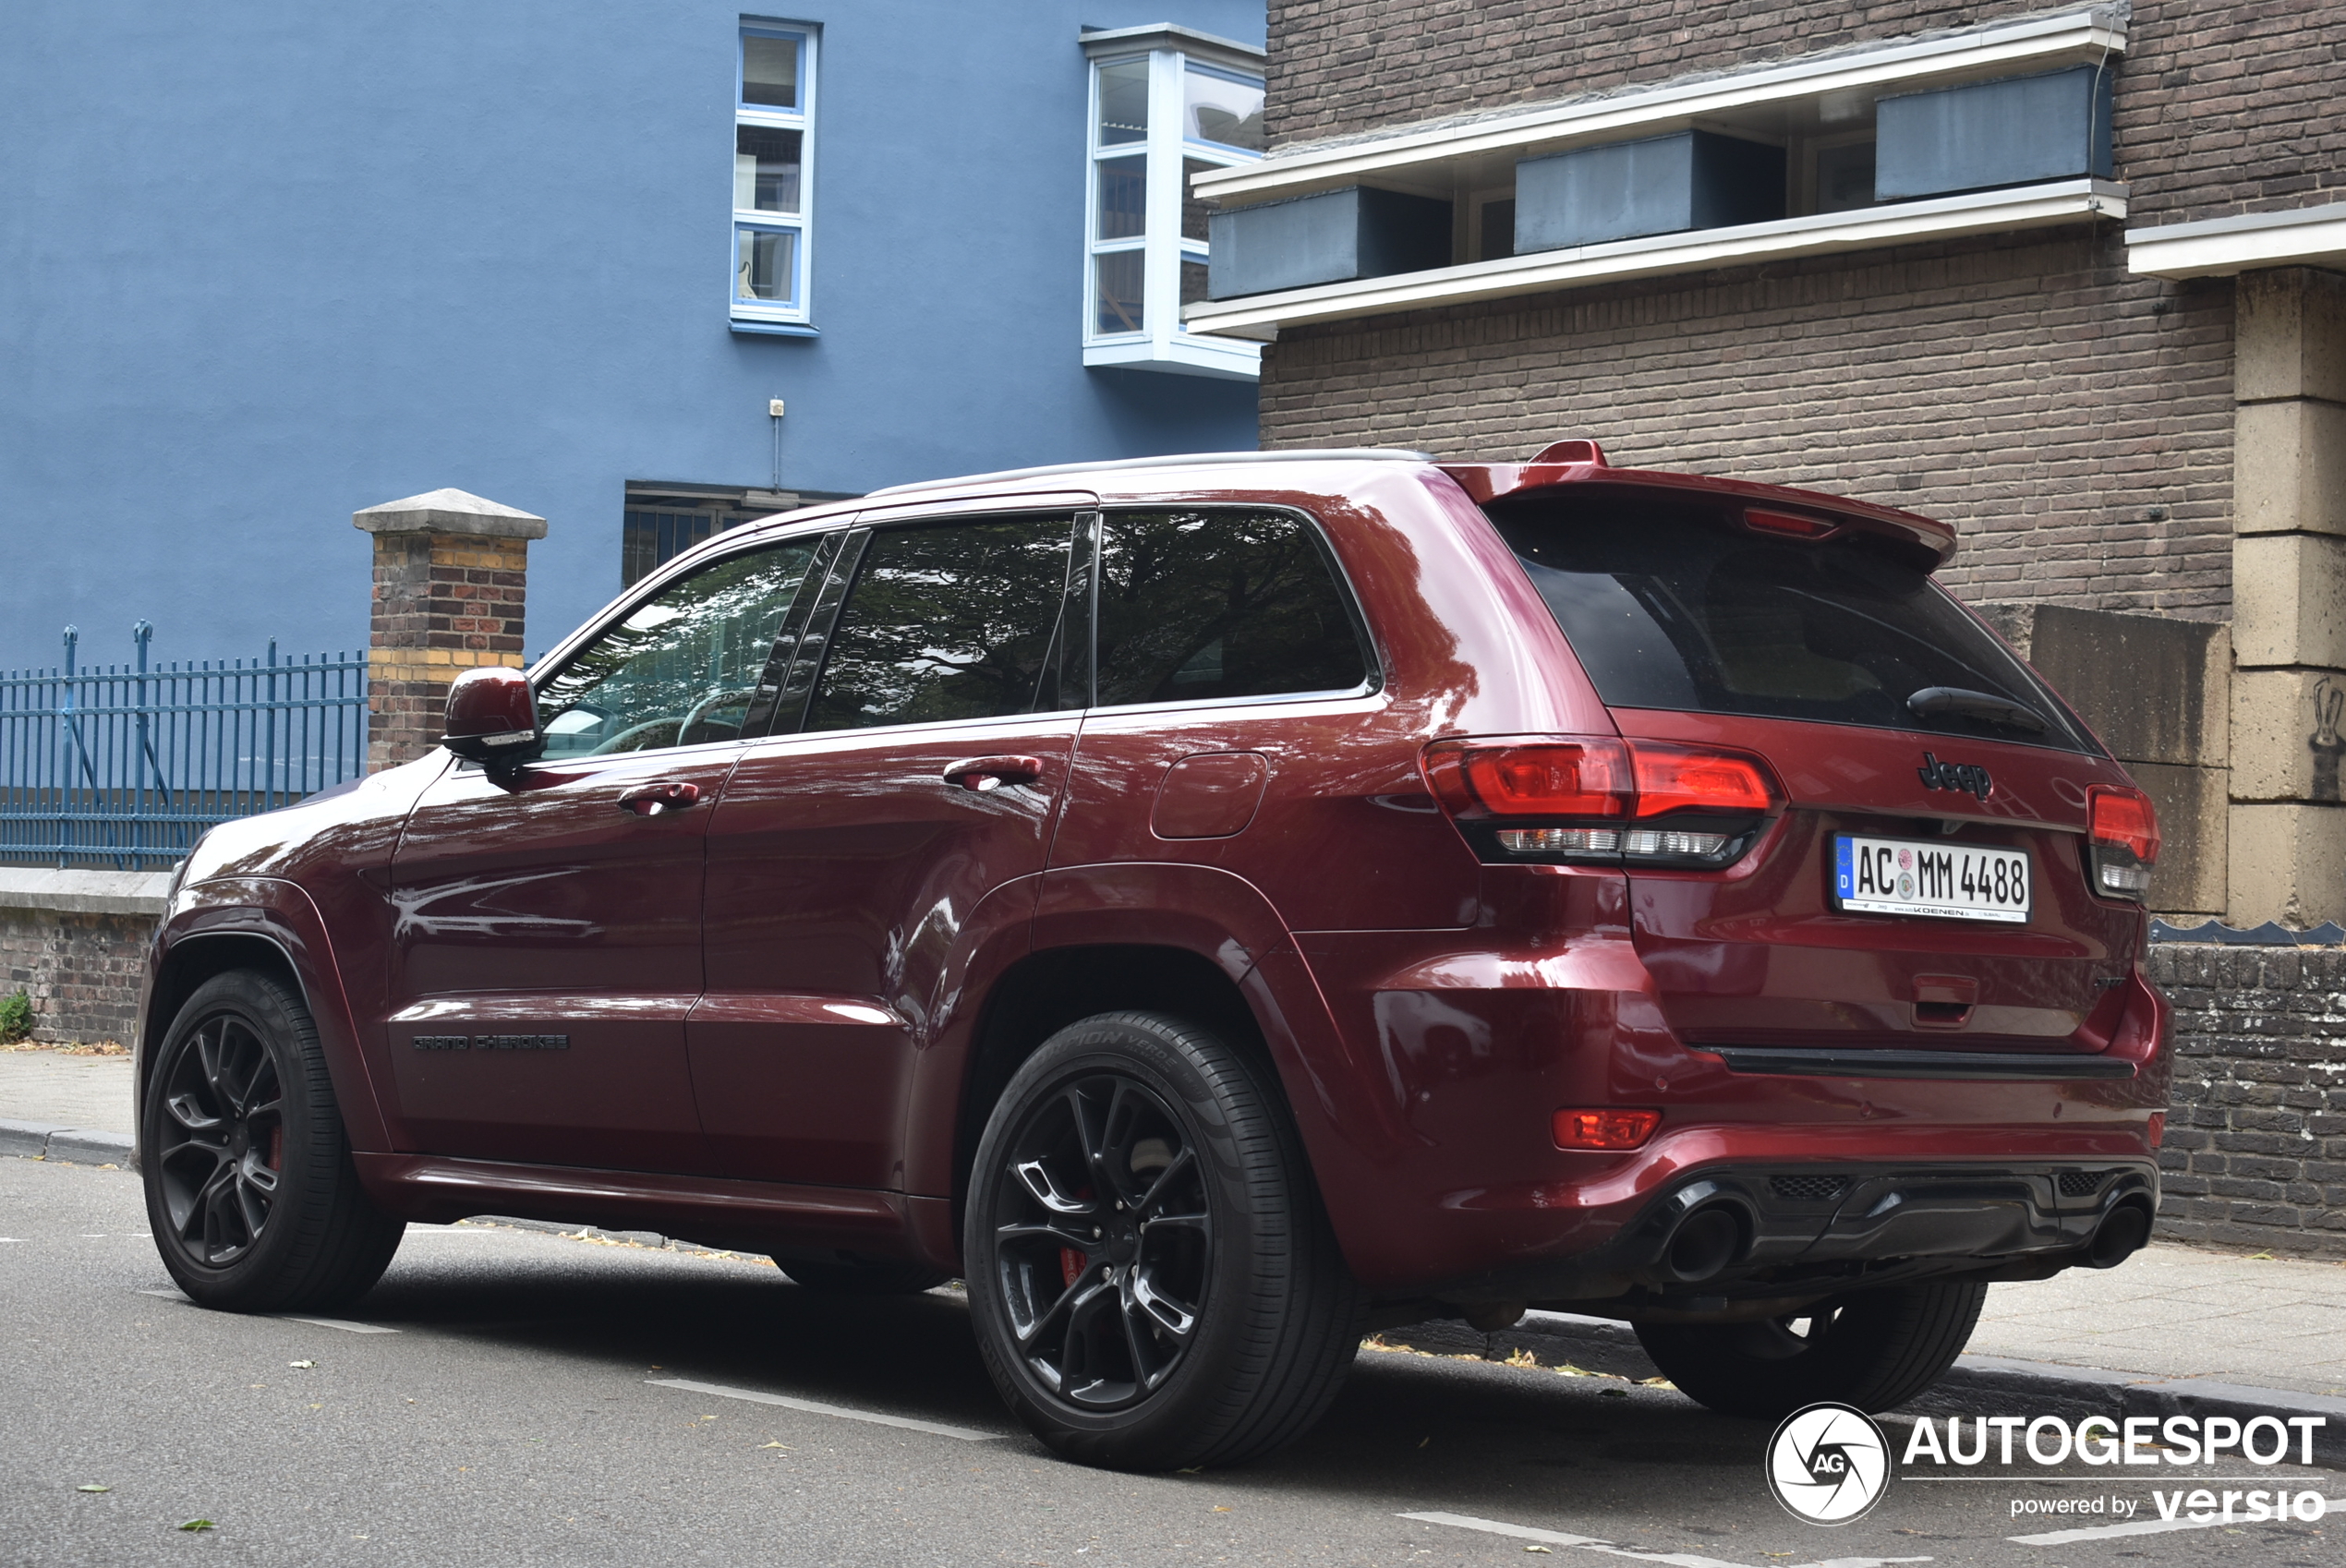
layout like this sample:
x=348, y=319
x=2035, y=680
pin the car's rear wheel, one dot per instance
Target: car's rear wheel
x=1875, y=1350
x=863, y=1276
x=1152, y=1282
x=251, y=1195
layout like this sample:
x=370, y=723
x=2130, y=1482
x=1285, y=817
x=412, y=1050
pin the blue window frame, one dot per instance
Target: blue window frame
x=773, y=173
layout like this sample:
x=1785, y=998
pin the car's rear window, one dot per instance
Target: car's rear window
x=1684, y=607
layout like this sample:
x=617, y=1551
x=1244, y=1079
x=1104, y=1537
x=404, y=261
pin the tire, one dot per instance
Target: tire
x=1874, y=1350
x=863, y=1276
x=1212, y=1330
x=251, y=1195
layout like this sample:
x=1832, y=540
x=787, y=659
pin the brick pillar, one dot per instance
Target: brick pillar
x=2288, y=858
x=452, y=575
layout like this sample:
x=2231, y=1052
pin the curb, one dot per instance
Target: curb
x=1975, y=1385
x=45, y=1141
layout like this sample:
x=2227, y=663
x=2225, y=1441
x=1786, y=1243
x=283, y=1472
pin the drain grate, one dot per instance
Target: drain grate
x=1806, y=1188
x=2082, y=1184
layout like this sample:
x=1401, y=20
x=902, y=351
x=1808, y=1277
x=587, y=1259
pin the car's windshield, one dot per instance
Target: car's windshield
x=1681, y=607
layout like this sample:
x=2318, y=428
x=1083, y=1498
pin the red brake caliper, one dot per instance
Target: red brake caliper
x=1072, y=1264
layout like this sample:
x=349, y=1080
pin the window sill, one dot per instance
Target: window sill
x=1181, y=353
x=774, y=329
x=2216, y=247
x=1989, y=212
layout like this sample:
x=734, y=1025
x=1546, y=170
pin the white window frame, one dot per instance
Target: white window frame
x=1162, y=341
x=795, y=316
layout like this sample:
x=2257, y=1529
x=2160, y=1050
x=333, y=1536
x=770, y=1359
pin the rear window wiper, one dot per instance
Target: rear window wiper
x=1987, y=706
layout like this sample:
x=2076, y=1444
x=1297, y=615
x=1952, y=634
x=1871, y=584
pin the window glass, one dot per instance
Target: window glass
x=769, y=71
x=1221, y=108
x=1844, y=177
x=947, y=624
x=1124, y=191
x=766, y=164
x=1684, y=609
x=684, y=665
x=1219, y=604
x=1116, y=296
x=1124, y=102
x=769, y=265
x=1195, y=209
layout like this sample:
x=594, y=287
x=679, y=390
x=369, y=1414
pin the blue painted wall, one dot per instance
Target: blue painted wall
x=266, y=263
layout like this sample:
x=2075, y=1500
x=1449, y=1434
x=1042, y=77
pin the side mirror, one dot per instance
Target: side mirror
x=493, y=718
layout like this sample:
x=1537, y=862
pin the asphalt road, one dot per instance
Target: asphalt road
x=518, y=1415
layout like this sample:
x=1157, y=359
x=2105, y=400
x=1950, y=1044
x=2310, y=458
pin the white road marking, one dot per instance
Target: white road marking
x=344, y=1324
x=1591, y=1543
x=937, y=1428
x=2149, y=1527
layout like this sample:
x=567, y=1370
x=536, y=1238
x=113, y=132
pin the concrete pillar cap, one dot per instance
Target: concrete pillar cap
x=449, y=511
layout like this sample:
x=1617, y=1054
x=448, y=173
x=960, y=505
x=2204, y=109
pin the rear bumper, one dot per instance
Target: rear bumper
x=1806, y=1229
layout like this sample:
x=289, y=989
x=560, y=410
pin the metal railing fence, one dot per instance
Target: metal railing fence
x=123, y=766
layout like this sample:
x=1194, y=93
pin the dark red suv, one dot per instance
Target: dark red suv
x=1210, y=904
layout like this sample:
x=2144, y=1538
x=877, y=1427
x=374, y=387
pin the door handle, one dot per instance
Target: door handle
x=992, y=773
x=657, y=800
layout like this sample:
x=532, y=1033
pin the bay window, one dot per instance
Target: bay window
x=1166, y=103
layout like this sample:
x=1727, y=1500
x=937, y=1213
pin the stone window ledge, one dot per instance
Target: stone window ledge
x=1989, y=212
x=2221, y=247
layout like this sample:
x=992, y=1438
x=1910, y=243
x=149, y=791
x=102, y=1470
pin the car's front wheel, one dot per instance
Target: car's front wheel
x=1874, y=1349
x=251, y=1195
x=1152, y=1282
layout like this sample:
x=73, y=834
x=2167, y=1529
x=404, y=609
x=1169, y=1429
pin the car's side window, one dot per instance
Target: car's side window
x=949, y=622
x=1203, y=604
x=683, y=667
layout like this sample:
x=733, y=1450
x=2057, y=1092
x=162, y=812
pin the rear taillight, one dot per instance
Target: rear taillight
x=1598, y=799
x=2123, y=834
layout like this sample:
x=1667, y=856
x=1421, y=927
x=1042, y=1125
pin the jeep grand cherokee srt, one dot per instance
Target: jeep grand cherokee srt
x=1208, y=904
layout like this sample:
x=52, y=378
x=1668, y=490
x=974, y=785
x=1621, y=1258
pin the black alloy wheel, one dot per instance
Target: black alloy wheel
x=1152, y=1279
x=221, y=1147
x=251, y=1193
x=1102, y=1233
x=1872, y=1349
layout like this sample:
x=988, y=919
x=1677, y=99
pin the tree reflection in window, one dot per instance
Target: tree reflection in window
x=949, y=624
x=684, y=668
x=1197, y=605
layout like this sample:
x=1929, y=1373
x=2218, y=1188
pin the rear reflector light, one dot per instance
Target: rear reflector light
x=2157, y=1131
x=1605, y=1129
x=2124, y=834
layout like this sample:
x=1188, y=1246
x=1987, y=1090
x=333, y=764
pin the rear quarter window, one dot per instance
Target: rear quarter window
x=1683, y=607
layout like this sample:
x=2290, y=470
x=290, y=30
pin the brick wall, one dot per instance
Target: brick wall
x=81, y=971
x=2255, y=1148
x=2075, y=422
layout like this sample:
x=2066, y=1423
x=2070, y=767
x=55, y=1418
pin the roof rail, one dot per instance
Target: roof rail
x=1364, y=453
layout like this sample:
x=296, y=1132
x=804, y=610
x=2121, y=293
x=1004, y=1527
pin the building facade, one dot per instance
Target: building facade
x=2072, y=278
x=643, y=271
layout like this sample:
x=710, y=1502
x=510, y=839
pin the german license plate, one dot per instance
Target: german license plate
x=1910, y=876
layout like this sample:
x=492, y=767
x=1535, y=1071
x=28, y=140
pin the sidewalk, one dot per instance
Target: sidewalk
x=2172, y=1320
